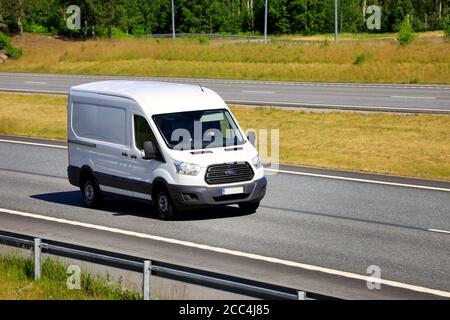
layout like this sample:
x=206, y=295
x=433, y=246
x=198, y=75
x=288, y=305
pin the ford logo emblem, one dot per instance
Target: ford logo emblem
x=230, y=172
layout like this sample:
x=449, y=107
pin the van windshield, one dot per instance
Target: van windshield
x=198, y=129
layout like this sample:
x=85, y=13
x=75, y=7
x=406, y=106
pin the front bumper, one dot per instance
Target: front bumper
x=190, y=197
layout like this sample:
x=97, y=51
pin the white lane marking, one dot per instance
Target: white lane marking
x=359, y=180
x=231, y=82
x=36, y=82
x=50, y=92
x=411, y=97
x=277, y=170
x=33, y=144
x=330, y=106
x=257, y=91
x=231, y=252
x=271, y=103
x=439, y=231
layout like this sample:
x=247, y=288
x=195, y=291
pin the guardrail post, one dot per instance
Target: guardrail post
x=301, y=295
x=37, y=259
x=146, y=280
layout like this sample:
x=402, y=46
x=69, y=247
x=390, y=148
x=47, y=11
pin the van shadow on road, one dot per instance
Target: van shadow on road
x=128, y=207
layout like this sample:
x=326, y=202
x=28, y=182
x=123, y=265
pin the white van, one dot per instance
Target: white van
x=176, y=145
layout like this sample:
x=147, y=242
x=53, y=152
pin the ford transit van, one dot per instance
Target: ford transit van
x=175, y=145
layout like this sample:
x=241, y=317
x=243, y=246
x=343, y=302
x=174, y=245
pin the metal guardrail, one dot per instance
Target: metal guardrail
x=152, y=268
x=208, y=35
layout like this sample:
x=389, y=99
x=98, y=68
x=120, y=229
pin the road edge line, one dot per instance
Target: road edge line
x=345, y=274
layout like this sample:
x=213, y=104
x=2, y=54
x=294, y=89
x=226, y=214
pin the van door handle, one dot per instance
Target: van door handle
x=133, y=156
x=125, y=154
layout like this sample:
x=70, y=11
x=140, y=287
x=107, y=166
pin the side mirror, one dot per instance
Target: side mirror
x=252, y=138
x=151, y=151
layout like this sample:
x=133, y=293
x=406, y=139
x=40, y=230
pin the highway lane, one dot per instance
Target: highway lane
x=338, y=224
x=371, y=97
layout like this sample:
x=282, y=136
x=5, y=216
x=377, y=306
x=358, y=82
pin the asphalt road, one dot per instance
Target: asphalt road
x=345, y=225
x=363, y=97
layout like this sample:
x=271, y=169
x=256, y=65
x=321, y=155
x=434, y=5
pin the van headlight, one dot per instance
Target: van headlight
x=257, y=162
x=185, y=168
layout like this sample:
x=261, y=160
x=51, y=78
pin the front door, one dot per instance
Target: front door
x=142, y=169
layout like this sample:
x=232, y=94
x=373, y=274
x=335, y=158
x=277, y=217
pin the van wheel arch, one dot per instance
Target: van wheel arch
x=157, y=185
x=85, y=173
x=160, y=189
x=87, y=178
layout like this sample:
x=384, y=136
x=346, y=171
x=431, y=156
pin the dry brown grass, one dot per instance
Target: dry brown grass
x=435, y=36
x=387, y=62
x=413, y=145
x=33, y=115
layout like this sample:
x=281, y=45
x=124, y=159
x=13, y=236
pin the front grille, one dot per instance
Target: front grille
x=228, y=173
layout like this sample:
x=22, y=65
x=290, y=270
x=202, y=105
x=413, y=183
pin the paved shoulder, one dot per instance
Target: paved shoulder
x=343, y=96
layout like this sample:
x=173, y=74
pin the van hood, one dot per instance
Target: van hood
x=206, y=157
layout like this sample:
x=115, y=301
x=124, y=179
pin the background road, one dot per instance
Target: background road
x=332, y=223
x=372, y=97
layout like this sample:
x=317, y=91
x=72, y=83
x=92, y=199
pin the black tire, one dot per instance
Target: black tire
x=248, y=207
x=164, y=205
x=91, y=193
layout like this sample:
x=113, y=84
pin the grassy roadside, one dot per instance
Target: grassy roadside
x=407, y=145
x=422, y=36
x=17, y=283
x=419, y=62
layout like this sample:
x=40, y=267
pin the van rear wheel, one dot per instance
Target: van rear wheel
x=164, y=205
x=248, y=207
x=91, y=193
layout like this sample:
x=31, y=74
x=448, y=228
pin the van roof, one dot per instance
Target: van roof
x=156, y=97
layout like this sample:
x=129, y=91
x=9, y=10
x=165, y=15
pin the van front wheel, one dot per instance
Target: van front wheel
x=91, y=193
x=248, y=207
x=164, y=205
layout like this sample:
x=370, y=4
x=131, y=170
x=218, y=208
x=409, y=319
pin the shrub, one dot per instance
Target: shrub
x=447, y=27
x=138, y=31
x=406, y=33
x=360, y=59
x=13, y=52
x=203, y=40
x=35, y=28
x=116, y=33
x=8, y=48
x=5, y=42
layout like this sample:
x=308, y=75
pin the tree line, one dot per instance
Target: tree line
x=141, y=17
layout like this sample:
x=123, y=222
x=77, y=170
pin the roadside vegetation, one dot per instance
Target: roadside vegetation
x=363, y=37
x=418, y=62
x=6, y=48
x=17, y=282
x=140, y=17
x=407, y=145
x=406, y=33
x=447, y=28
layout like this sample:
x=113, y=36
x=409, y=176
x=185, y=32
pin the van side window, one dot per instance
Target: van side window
x=142, y=132
x=101, y=123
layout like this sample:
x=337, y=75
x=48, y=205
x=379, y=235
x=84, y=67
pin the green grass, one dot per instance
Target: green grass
x=419, y=62
x=408, y=145
x=17, y=282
